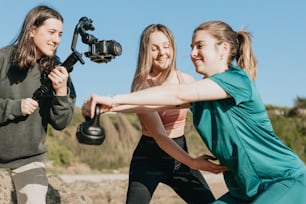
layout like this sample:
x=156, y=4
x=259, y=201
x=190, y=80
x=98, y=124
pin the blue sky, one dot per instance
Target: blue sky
x=278, y=28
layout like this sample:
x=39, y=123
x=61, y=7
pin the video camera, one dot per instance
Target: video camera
x=100, y=51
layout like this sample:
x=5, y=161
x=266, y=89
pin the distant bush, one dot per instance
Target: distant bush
x=58, y=153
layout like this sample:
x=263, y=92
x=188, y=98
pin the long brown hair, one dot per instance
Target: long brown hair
x=25, y=53
x=240, y=45
x=144, y=64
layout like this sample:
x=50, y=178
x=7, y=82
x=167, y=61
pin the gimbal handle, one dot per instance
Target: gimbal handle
x=73, y=58
x=46, y=86
x=91, y=132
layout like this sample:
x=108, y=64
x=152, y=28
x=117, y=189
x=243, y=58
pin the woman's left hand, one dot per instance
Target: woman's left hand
x=205, y=163
x=59, y=77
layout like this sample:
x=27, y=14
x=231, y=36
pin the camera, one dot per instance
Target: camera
x=100, y=51
x=103, y=50
x=108, y=47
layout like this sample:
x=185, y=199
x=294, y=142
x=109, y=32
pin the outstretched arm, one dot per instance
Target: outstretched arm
x=86, y=108
x=166, y=95
x=145, y=108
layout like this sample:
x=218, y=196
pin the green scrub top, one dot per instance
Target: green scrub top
x=239, y=133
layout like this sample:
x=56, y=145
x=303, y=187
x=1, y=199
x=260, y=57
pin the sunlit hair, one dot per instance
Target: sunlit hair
x=144, y=64
x=25, y=54
x=240, y=45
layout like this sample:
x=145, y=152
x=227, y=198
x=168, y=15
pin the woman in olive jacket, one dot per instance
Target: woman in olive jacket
x=24, y=66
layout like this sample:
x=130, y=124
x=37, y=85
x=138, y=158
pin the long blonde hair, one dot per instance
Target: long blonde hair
x=240, y=45
x=144, y=64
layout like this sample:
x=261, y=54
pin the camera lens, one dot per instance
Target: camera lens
x=108, y=48
x=113, y=48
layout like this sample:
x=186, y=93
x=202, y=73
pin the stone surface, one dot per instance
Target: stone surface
x=98, y=189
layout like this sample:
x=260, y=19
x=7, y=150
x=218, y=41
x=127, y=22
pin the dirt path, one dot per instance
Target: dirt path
x=216, y=183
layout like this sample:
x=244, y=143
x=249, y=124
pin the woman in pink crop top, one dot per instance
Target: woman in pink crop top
x=150, y=165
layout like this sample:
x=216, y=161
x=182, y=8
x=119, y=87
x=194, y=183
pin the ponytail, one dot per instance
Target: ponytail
x=245, y=56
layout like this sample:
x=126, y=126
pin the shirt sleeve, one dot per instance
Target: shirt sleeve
x=10, y=109
x=62, y=108
x=236, y=83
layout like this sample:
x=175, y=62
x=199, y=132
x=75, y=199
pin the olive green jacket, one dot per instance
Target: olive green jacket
x=22, y=137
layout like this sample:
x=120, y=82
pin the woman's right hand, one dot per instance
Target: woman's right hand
x=28, y=106
x=89, y=105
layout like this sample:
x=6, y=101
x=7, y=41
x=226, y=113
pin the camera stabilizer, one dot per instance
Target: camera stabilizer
x=101, y=51
x=89, y=132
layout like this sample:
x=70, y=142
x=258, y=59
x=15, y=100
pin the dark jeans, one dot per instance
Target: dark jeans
x=150, y=165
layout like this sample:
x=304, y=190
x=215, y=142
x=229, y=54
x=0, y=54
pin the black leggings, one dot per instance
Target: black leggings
x=150, y=165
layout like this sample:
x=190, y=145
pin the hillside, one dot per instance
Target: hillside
x=123, y=132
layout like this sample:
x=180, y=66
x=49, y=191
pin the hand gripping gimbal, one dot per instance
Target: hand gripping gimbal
x=89, y=132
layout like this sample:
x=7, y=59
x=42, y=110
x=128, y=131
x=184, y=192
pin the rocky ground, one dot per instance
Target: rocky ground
x=98, y=189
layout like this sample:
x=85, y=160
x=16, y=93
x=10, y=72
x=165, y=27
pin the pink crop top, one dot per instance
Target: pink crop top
x=173, y=118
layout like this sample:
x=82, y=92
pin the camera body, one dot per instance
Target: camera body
x=100, y=51
x=103, y=51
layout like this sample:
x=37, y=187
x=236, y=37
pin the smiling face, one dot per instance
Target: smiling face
x=47, y=37
x=207, y=55
x=162, y=52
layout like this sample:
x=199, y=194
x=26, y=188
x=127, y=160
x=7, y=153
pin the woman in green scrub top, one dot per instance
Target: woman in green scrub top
x=230, y=117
